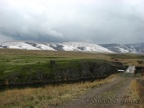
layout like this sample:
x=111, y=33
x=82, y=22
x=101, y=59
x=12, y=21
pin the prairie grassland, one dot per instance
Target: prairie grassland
x=13, y=57
x=48, y=95
x=22, y=57
x=14, y=61
x=127, y=59
x=63, y=54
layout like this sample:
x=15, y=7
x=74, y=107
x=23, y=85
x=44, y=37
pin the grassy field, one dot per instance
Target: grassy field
x=13, y=57
x=9, y=59
x=27, y=63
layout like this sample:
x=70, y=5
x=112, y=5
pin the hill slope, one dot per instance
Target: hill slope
x=66, y=46
x=125, y=48
x=136, y=48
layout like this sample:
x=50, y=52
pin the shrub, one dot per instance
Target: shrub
x=140, y=61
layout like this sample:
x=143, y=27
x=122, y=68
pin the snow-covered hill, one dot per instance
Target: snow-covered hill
x=119, y=48
x=66, y=46
x=126, y=48
x=76, y=46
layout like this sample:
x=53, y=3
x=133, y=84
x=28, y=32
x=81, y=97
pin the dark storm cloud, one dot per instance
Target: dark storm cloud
x=98, y=21
x=32, y=36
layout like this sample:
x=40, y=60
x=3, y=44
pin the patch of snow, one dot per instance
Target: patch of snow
x=86, y=47
x=19, y=45
x=122, y=50
x=44, y=47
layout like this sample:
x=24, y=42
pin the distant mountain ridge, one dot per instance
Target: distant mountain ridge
x=137, y=48
x=65, y=46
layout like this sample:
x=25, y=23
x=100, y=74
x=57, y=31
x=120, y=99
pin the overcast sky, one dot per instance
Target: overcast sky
x=96, y=21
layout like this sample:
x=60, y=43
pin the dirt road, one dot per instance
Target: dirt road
x=111, y=95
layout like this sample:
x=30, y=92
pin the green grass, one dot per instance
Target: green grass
x=27, y=63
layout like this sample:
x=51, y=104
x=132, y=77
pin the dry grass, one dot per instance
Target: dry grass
x=69, y=54
x=137, y=88
x=48, y=95
x=12, y=54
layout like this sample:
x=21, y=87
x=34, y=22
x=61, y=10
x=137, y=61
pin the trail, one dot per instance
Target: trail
x=111, y=95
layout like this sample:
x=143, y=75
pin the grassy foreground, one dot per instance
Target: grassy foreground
x=48, y=95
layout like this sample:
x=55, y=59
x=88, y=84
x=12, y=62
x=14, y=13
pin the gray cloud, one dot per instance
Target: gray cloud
x=97, y=21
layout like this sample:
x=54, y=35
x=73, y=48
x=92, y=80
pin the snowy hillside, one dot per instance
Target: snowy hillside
x=126, y=48
x=76, y=46
x=66, y=46
x=119, y=48
x=80, y=46
x=18, y=45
